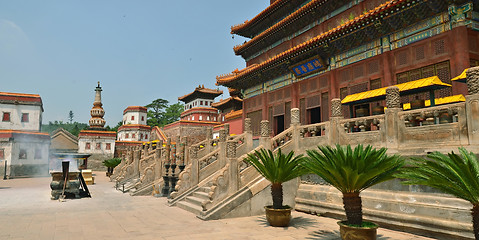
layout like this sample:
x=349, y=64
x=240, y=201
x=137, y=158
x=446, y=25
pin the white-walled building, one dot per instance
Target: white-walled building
x=134, y=126
x=23, y=148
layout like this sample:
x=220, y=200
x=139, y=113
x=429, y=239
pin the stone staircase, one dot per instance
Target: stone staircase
x=193, y=202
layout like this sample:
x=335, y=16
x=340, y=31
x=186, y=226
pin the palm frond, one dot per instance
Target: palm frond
x=353, y=170
x=454, y=174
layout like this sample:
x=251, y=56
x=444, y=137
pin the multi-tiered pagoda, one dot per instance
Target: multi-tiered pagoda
x=303, y=53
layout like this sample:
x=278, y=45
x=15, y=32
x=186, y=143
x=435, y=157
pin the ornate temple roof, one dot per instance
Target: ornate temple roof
x=224, y=102
x=234, y=114
x=304, y=10
x=341, y=35
x=267, y=17
x=201, y=92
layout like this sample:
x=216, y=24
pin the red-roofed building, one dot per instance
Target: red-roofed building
x=24, y=150
x=198, y=115
x=303, y=53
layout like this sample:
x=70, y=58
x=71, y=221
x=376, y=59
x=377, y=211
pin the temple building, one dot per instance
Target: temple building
x=24, y=150
x=304, y=53
x=134, y=130
x=231, y=112
x=197, y=116
x=96, y=140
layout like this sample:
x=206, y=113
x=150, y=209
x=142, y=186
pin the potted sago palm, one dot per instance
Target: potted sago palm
x=352, y=171
x=454, y=174
x=277, y=168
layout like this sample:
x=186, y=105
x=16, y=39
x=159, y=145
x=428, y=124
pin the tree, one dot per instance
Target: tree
x=172, y=114
x=454, y=174
x=155, y=111
x=117, y=126
x=70, y=116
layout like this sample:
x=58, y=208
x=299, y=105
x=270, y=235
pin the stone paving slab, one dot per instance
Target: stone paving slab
x=26, y=212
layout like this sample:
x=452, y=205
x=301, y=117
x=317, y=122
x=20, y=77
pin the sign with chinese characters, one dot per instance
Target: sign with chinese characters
x=309, y=66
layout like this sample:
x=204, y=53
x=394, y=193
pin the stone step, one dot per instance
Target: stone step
x=202, y=195
x=190, y=207
x=195, y=200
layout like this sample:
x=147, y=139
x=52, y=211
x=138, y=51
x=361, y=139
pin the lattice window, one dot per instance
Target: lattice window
x=302, y=111
x=271, y=97
x=313, y=84
x=474, y=62
x=313, y=101
x=415, y=75
x=373, y=67
x=287, y=93
x=420, y=52
x=255, y=121
x=440, y=47
x=345, y=75
x=444, y=73
x=325, y=106
x=278, y=109
x=427, y=71
x=358, y=71
x=279, y=95
x=375, y=84
x=323, y=82
x=402, y=77
x=401, y=58
x=303, y=87
x=362, y=87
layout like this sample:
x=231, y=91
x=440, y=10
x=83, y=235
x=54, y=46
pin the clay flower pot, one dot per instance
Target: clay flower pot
x=278, y=217
x=357, y=233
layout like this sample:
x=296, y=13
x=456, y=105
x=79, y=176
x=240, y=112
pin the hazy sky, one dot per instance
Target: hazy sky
x=139, y=50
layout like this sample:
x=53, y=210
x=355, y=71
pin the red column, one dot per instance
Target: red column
x=459, y=47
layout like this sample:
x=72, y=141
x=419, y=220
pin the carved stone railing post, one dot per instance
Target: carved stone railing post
x=295, y=122
x=166, y=179
x=195, y=167
x=472, y=105
x=249, y=134
x=173, y=177
x=158, y=169
x=247, y=125
x=226, y=126
x=233, y=167
x=136, y=162
x=222, y=147
x=336, y=116
x=391, y=118
x=264, y=140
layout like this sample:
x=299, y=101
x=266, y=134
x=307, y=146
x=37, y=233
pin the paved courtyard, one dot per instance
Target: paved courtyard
x=26, y=212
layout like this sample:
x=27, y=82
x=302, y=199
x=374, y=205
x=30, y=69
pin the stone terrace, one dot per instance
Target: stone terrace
x=26, y=212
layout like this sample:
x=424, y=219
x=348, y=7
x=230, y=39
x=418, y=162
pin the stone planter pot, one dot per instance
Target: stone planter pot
x=278, y=217
x=357, y=233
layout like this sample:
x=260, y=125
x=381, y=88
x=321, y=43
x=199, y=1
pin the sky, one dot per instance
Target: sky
x=139, y=51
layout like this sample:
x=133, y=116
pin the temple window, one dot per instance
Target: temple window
x=141, y=136
x=132, y=118
x=142, y=118
x=6, y=117
x=201, y=102
x=38, y=153
x=2, y=153
x=201, y=118
x=22, y=154
x=207, y=118
x=98, y=146
x=87, y=145
x=24, y=117
x=146, y=136
x=127, y=135
x=108, y=146
x=133, y=135
x=193, y=118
